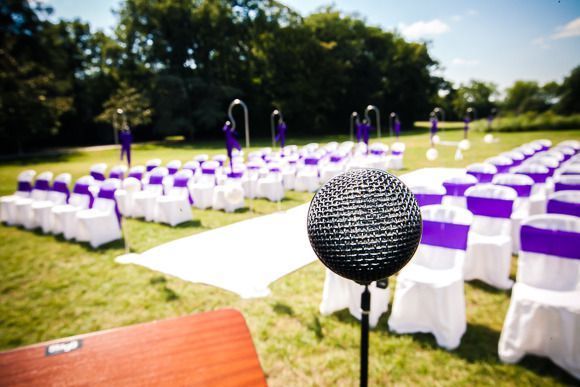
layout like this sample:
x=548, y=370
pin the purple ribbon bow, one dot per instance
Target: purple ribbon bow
x=83, y=189
x=109, y=194
x=281, y=136
x=62, y=187
x=126, y=138
x=231, y=142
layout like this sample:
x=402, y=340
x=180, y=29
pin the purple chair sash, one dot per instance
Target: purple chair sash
x=457, y=189
x=482, y=177
x=172, y=170
x=253, y=167
x=536, y=177
x=238, y=174
x=62, y=187
x=208, y=171
x=566, y=208
x=109, y=194
x=378, y=152
x=523, y=191
x=156, y=180
x=493, y=208
x=396, y=153
x=42, y=185
x=149, y=168
x=562, y=244
x=428, y=199
x=275, y=169
x=83, y=189
x=335, y=158
x=181, y=182
x=569, y=172
x=98, y=176
x=503, y=168
x=116, y=175
x=566, y=187
x=24, y=186
x=442, y=234
x=136, y=175
x=311, y=161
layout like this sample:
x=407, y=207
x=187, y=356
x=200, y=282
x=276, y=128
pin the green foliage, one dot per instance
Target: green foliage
x=570, y=94
x=530, y=121
x=134, y=105
x=528, y=96
x=477, y=95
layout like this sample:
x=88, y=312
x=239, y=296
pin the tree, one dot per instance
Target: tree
x=476, y=94
x=569, y=102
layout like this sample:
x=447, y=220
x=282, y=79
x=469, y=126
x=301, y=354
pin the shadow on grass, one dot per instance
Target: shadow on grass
x=487, y=288
x=479, y=344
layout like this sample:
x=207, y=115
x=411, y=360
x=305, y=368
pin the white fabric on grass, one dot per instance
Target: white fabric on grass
x=243, y=257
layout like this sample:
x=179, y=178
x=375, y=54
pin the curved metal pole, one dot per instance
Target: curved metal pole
x=275, y=113
x=353, y=117
x=246, y=118
x=378, y=117
x=441, y=112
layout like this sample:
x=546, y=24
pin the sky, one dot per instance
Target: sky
x=491, y=40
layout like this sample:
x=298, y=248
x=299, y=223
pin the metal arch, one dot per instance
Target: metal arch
x=235, y=102
x=353, y=116
x=439, y=112
x=378, y=117
x=392, y=118
x=275, y=112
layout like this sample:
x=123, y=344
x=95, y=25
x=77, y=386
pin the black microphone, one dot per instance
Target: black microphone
x=364, y=225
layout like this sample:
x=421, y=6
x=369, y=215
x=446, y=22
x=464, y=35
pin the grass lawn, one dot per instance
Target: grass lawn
x=51, y=288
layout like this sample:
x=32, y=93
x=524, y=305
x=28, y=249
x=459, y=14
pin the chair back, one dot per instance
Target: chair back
x=574, y=144
x=483, y=172
x=398, y=149
x=502, y=163
x=173, y=166
x=444, y=238
x=564, y=202
x=572, y=169
x=137, y=172
x=567, y=183
x=522, y=184
x=378, y=149
x=150, y=165
x=538, y=173
x=60, y=192
x=41, y=187
x=549, y=256
x=82, y=196
x=492, y=207
x=98, y=172
x=118, y=172
x=428, y=195
x=456, y=186
x=516, y=156
x=544, y=143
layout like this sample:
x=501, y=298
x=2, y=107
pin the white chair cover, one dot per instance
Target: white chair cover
x=455, y=190
x=334, y=167
x=40, y=191
x=173, y=166
x=118, y=172
x=100, y=224
x=575, y=144
x=125, y=196
x=144, y=201
x=564, y=202
x=538, y=173
x=396, y=156
x=150, y=165
x=137, y=172
x=59, y=194
x=483, y=172
x=229, y=196
x=427, y=195
x=175, y=206
x=339, y=293
x=429, y=296
x=23, y=190
x=271, y=186
x=307, y=179
x=378, y=156
x=64, y=218
x=544, y=314
x=98, y=172
x=202, y=189
x=489, y=249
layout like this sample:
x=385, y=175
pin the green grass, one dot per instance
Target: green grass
x=52, y=288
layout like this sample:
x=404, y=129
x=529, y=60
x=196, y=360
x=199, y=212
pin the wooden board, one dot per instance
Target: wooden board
x=209, y=349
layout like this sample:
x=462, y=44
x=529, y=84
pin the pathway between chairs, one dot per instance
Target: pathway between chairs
x=244, y=257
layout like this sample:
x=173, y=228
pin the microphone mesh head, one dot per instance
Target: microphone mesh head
x=364, y=225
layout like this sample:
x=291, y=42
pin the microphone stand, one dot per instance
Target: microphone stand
x=365, y=305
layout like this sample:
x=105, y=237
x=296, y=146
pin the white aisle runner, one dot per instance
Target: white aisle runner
x=243, y=257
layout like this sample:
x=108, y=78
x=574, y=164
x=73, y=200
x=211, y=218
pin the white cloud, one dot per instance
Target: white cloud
x=570, y=30
x=423, y=29
x=541, y=42
x=464, y=62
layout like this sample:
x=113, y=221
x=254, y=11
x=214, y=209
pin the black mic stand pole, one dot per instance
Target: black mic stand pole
x=365, y=305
